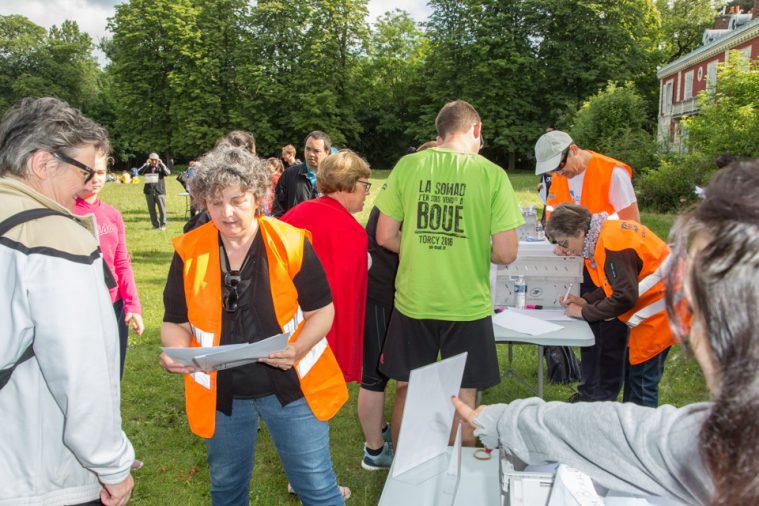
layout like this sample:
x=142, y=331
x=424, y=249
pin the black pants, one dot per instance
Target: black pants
x=603, y=364
x=118, y=308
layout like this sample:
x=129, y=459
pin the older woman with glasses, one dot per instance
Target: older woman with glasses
x=341, y=244
x=62, y=441
x=704, y=453
x=626, y=262
x=241, y=278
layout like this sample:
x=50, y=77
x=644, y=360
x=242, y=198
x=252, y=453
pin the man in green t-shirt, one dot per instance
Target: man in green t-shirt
x=459, y=213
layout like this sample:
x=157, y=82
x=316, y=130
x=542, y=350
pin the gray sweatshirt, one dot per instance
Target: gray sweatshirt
x=623, y=447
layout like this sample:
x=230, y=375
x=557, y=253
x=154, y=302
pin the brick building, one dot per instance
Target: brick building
x=683, y=79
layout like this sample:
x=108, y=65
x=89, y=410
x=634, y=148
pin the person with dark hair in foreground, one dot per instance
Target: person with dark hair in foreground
x=705, y=453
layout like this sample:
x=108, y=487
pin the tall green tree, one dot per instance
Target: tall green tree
x=682, y=26
x=389, y=80
x=583, y=44
x=483, y=52
x=153, y=43
x=58, y=63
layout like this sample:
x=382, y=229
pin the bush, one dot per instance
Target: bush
x=612, y=122
x=671, y=186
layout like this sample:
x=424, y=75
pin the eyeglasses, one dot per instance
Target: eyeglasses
x=89, y=171
x=231, y=281
x=562, y=244
x=367, y=185
x=562, y=163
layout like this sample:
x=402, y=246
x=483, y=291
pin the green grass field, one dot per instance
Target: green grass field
x=175, y=470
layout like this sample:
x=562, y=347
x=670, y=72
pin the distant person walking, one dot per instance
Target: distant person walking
x=289, y=155
x=298, y=182
x=154, y=171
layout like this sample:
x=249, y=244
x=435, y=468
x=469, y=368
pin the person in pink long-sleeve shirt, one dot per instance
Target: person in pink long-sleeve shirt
x=112, y=238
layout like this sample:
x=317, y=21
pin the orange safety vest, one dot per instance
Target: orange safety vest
x=650, y=331
x=595, y=186
x=320, y=377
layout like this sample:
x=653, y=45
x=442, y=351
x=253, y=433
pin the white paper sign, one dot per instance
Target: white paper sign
x=151, y=178
x=428, y=413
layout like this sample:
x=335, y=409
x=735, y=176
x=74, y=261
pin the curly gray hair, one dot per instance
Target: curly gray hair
x=226, y=166
x=44, y=124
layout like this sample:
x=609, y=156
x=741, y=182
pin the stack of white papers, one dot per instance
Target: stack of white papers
x=217, y=358
x=520, y=322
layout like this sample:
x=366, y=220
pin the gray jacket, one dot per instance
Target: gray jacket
x=623, y=447
x=60, y=434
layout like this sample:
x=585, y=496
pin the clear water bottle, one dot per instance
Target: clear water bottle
x=520, y=293
x=539, y=232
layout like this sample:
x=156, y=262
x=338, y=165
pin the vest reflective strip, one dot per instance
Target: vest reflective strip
x=310, y=359
x=206, y=340
x=549, y=208
x=649, y=281
x=314, y=354
x=647, y=312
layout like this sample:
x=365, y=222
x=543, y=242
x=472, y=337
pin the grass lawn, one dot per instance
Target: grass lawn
x=175, y=469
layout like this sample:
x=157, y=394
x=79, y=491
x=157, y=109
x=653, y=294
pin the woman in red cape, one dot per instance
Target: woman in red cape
x=341, y=244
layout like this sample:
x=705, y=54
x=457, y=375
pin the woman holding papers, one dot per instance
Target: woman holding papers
x=703, y=453
x=627, y=262
x=242, y=278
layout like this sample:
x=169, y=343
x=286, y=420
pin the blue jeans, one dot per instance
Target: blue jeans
x=642, y=381
x=301, y=440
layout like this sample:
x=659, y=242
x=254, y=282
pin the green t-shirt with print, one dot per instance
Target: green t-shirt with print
x=450, y=204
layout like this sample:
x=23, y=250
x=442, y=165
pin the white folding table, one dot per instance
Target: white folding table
x=574, y=333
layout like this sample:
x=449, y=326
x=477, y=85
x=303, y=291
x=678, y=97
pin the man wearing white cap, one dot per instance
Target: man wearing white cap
x=603, y=185
x=154, y=170
x=581, y=176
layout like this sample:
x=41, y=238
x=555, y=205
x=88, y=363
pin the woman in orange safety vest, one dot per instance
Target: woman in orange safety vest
x=627, y=262
x=239, y=279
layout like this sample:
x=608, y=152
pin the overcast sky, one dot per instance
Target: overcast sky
x=91, y=15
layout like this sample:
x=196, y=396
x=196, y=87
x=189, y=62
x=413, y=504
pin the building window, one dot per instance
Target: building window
x=711, y=75
x=746, y=54
x=667, y=106
x=688, y=92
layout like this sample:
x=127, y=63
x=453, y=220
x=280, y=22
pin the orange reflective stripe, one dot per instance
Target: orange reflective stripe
x=322, y=384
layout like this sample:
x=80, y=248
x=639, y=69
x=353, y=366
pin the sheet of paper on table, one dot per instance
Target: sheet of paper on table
x=519, y=322
x=552, y=315
x=428, y=415
x=217, y=358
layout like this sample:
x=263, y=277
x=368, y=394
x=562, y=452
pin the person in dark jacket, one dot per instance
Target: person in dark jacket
x=154, y=171
x=298, y=182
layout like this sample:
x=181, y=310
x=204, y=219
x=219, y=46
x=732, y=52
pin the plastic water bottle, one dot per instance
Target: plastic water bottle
x=520, y=293
x=539, y=232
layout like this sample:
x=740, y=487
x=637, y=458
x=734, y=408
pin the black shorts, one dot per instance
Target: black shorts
x=375, y=329
x=412, y=343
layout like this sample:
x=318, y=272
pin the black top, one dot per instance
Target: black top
x=158, y=188
x=253, y=321
x=293, y=187
x=380, y=288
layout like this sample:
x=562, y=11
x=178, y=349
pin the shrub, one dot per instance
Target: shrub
x=612, y=122
x=671, y=185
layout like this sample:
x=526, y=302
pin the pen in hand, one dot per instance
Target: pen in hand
x=569, y=289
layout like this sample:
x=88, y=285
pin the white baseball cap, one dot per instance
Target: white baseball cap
x=154, y=156
x=548, y=150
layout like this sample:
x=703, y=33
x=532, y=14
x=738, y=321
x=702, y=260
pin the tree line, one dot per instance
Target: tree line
x=181, y=73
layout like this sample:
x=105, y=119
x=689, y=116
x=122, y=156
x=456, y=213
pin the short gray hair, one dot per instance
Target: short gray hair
x=44, y=124
x=226, y=166
x=568, y=220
